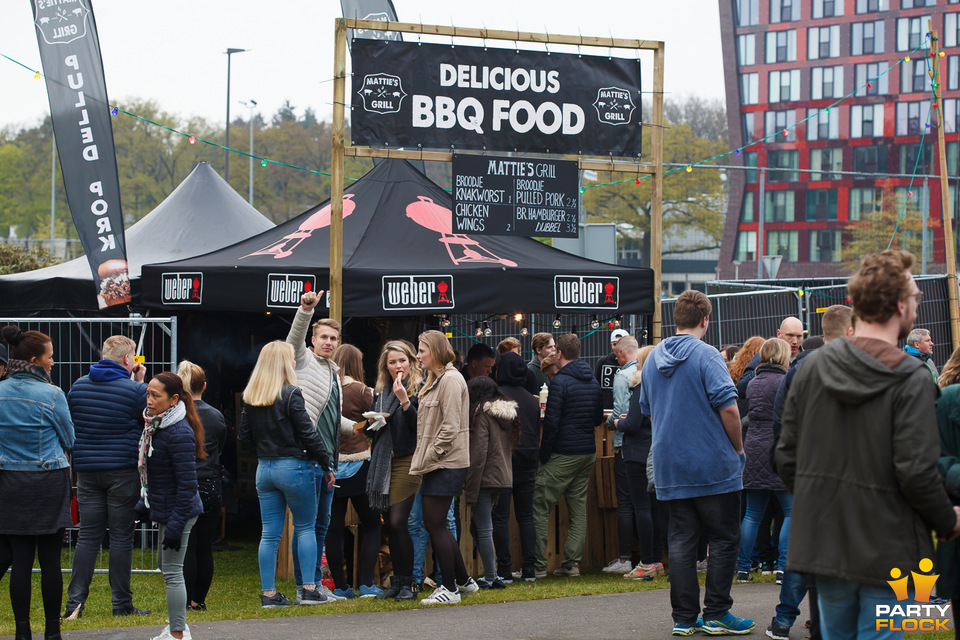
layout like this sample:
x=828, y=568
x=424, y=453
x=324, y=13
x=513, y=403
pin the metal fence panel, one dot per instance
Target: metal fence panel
x=739, y=316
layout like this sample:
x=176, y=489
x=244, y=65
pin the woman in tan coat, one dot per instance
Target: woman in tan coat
x=442, y=457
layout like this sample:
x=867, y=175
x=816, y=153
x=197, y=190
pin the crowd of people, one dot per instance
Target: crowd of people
x=815, y=459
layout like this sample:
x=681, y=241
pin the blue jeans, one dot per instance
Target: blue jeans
x=283, y=482
x=324, y=503
x=792, y=591
x=757, y=500
x=848, y=610
x=420, y=537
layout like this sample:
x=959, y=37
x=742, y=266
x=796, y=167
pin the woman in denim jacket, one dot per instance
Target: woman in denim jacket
x=35, y=433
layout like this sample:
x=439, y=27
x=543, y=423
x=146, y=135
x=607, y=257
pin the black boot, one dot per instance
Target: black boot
x=52, y=630
x=406, y=589
x=393, y=590
x=23, y=630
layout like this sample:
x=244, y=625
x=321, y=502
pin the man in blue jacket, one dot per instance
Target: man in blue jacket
x=567, y=452
x=107, y=408
x=698, y=466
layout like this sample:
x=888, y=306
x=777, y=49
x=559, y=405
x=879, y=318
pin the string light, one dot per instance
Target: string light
x=595, y=323
x=487, y=331
x=689, y=168
x=478, y=332
x=263, y=162
x=524, y=331
x=581, y=189
x=518, y=317
x=738, y=152
x=192, y=140
x=556, y=322
x=114, y=111
x=36, y=75
x=616, y=322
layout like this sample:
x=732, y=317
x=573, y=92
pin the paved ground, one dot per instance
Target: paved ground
x=638, y=615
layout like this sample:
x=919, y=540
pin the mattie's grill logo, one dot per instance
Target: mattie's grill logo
x=417, y=292
x=920, y=616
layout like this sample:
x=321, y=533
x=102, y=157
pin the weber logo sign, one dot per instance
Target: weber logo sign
x=381, y=93
x=614, y=106
x=182, y=288
x=417, y=292
x=586, y=292
x=285, y=289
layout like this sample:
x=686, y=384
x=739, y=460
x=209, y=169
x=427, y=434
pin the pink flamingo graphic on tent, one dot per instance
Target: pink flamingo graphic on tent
x=429, y=214
x=319, y=220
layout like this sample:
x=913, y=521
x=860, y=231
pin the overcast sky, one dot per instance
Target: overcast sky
x=173, y=51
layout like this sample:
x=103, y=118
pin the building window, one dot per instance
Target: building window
x=746, y=246
x=826, y=82
x=782, y=46
x=783, y=159
x=910, y=156
x=826, y=160
x=779, y=206
x=913, y=76
x=953, y=156
x=746, y=49
x=864, y=201
x=748, y=13
x=825, y=245
x=785, y=86
x=783, y=243
x=874, y=74
x=784, y=10
x=866, y=121
x=823, y=124
x=779, y=121
x=951, y=29
x=871, y=159
x=911, y=32
x=871, y=6
x=823, y=42
x=827, y=8
x=746, y=214
x=821, y=205
x=749, y=88
x=750, y=160
x=915, y=4
x=749, y=132
x=950, y=115
x=866, y=37
x=912, y=117
x=953, y=72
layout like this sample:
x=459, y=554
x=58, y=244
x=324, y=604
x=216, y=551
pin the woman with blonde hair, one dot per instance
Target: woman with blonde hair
x=442, y=457
x=276, y=424
x=950, y=374
x=391, y=488
x=760, y=480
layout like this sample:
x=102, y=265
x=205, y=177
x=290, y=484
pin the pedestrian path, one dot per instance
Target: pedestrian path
x=634, y=616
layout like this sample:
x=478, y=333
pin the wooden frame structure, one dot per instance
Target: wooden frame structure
x=653, y=168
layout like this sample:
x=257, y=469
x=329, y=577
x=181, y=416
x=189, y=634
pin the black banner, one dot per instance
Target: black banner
x=70, y=54
x=438, y=96
x=379, y=10
x=503, y=196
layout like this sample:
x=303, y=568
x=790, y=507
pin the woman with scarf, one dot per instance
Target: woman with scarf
x=171, y=444
x=35, y=432
x=390, y=486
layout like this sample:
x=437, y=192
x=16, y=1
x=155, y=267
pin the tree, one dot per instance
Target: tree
x=873, y=232
x=16, y=259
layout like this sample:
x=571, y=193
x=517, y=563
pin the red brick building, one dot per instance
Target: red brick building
x=785, y=60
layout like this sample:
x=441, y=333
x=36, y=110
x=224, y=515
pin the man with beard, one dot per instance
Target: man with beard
x=859, y=450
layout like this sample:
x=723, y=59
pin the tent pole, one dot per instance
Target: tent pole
x=336, y=171
x=656, y=200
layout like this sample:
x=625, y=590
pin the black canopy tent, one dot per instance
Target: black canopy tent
x=401, y=257
x=202, y=214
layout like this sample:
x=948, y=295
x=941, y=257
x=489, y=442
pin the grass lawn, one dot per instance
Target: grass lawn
x=236, y=585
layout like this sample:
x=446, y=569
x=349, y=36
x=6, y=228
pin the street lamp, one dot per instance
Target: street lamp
x=226, y=166
x=250, y=105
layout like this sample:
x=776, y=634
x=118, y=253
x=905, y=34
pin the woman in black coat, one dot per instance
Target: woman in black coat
x=760, y=480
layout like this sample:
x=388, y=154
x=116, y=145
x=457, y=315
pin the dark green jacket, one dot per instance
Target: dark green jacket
x=859, y=451
x=948, y=553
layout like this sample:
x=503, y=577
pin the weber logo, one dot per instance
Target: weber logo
x=285, y=289
x=417, y=292
x=182, y=288
x=586, y=292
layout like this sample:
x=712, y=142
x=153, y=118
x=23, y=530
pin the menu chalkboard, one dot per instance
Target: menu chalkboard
x=502, y=196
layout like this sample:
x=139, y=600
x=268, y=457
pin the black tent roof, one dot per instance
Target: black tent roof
x=202, y=214
x=400, y=257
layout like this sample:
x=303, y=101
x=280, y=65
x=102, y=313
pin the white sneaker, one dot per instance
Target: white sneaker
x=440, y=595
x=618, y=566
x=165, y=634
x=330, y=595
x=470, y=586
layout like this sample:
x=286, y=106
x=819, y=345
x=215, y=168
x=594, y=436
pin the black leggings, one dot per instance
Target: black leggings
x=370, y=549
x=446, y=550
x=401, y=544
x=6, y=556
x=47, y=548
x=198, y=562
x=645, y=507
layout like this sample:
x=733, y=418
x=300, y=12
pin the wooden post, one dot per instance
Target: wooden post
x=656, y=200
x=947, y=215
x=336, y=171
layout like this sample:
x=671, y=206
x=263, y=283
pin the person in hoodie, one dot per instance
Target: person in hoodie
x=567, y=452
x=511, y=376
x=107, y=408
x=698, y=458
x=920, y=346
x=859, y=450
x=494, y=432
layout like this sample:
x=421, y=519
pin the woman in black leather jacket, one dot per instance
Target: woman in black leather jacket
x=275, y=423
